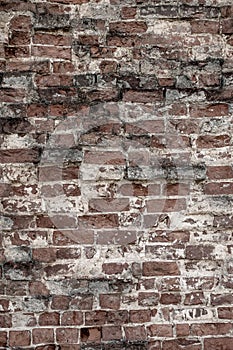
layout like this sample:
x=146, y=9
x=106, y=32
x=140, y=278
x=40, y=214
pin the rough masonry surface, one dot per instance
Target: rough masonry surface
x=116, y=171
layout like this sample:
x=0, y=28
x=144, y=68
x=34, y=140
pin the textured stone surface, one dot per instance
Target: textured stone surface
x=116, y=174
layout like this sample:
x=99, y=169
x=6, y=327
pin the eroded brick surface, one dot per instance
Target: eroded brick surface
x=116, y=174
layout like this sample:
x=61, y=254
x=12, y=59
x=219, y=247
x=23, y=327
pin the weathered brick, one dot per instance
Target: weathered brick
x=111, y=333
x=72, y=318
x=143, y=97
x=202, y=329
x=49, y=319
x=157, y=330
x=209, y=141
x=95, y=317
x=110, y=301
x=154, y=268
x=51, y=52
x=225, y=313
x=19, y=338
x=67, y=335
x=212, y=343
x=128, y=27
x=136, y=333
x=60, y=302
x=90, y=335
x=178, y=344
x=120, y=116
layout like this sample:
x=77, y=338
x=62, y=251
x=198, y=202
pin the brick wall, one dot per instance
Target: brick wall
x=116, y=174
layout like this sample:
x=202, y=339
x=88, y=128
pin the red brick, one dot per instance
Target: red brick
x=53, y=271
x=136, y=333
x=139, y=316
x=212, y=110
x=110, y=333
x=71, y=2
x=144, y=127
x=119, y=317
x=12, y=95
x=49, y=319
x=58, y=221
x=154, y=268
x=47, y=39
x=51, y=52
x=3, y=339
x=128, y=12
x=194, y=298
x=42, y=335
x=108, y=94
x=82, y=302
x=209, y=141
x=55, y=173
x=5, y=322
x=227, y=26
x=19, y=38
x=37, y=110
x=216, y=188
x=218, y=343
x=104, y=158
x=46, y=347
x=205, y=26
x=170, y=141
x=221, y=299
x=170, y=298
x=38, y=67
x=53, y=80
x=226, y=11
x=165, y=205
x=98, y=221
x=224, y=221
x=16, y=52
x=136, y=190
x=131, y=27
x=116, y=237
x=177, y=189
x=182, y=343
x=63, y=67
x=148, y=299
x=90, y=335
x=4, y=305
x=110, y=301
x=219, y=172
x=68, y=253
x=95, y=318
x=72, y=318
x=182, y=330
x=71, y=190
x=44, y=254
x=19, y=156
x=108, y=66
x=68, y=237
x=199, y=252
x=105, y=205
x=67, y=335
x=88, y=39
x=157, y=330
x=19, y=338
x=225, y=313
x=21, y=22
x=143, y=97
x=113, y=268
x=60, y=302
x=203, y=329
x=166, y=236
